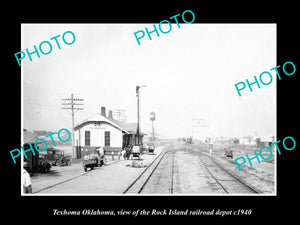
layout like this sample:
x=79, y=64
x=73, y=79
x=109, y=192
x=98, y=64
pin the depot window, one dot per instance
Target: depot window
x=107, y=138
x=87, y=138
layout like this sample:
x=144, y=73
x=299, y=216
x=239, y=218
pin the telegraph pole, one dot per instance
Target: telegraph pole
x=138, y=112
x=69, y=104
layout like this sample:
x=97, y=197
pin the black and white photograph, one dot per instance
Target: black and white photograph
x=162, y=117
x=150, y=114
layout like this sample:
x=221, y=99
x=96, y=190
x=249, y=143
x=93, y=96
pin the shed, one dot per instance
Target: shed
x=32, y=159
x=265, y=141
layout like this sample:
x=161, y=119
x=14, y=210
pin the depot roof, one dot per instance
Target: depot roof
x=128, y=128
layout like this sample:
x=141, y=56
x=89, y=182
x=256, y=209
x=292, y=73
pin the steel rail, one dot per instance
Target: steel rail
x=61, y=182
x=160, y=157
x=158, y=161
x=69, y=179
x=255, y=190
x=172, y=174
x=84, y=173
x=213, y=176
x=236, y=177
x=150, y=175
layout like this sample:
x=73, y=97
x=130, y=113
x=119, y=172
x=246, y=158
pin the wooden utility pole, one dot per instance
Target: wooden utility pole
x=138, y=113
x=69, y=104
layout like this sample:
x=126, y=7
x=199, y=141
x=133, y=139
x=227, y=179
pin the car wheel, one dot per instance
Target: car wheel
x=85, y=168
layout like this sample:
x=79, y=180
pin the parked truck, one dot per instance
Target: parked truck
x=92, y=160
x=36, y=162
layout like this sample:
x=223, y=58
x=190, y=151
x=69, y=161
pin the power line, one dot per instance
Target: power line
x=71, y=105
x=120, y=114
x=196, y=124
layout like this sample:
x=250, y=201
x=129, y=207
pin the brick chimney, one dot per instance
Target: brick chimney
x=110, y=114
x=103, y=113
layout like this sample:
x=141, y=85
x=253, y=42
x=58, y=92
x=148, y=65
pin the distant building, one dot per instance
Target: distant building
x=204, y=139
x=101, y=130
x=257, y=141
x=265, y=141
x=234, y=141
x=248, y=141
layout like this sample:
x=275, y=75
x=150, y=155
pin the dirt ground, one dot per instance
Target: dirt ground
x=189, y=175
x=261, y=175
x=113, y=178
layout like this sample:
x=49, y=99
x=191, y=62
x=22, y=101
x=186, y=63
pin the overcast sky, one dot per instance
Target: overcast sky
x=189, y=73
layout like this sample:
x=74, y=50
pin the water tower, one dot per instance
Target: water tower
x=152, y=118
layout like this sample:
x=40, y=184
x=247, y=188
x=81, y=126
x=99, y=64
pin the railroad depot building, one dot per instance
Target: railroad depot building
x=101, y=130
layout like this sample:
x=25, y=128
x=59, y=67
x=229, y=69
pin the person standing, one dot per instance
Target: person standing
x=27, y=189
x=123, y=153
x=101, y=153
x=211, y=144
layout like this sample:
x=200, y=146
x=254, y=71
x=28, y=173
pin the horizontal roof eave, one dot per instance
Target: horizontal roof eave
x=100, y=118
x=128, y=128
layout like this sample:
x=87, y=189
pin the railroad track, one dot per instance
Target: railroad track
x=229, y=182
x=58, y=183
x=172, y=174
x=158, y=177
x=66, y=180
x=129, y=189
x=146, y=182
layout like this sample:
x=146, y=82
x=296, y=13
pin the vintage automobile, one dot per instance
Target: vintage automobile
x=64, y=161
x=151, y=148
x=44, y=164
x=228, y=153
x=92, y=160
x=37, y=162
x=136, y=151
x=53, y=155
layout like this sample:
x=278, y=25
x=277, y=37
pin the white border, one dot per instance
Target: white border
x=124, y=195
